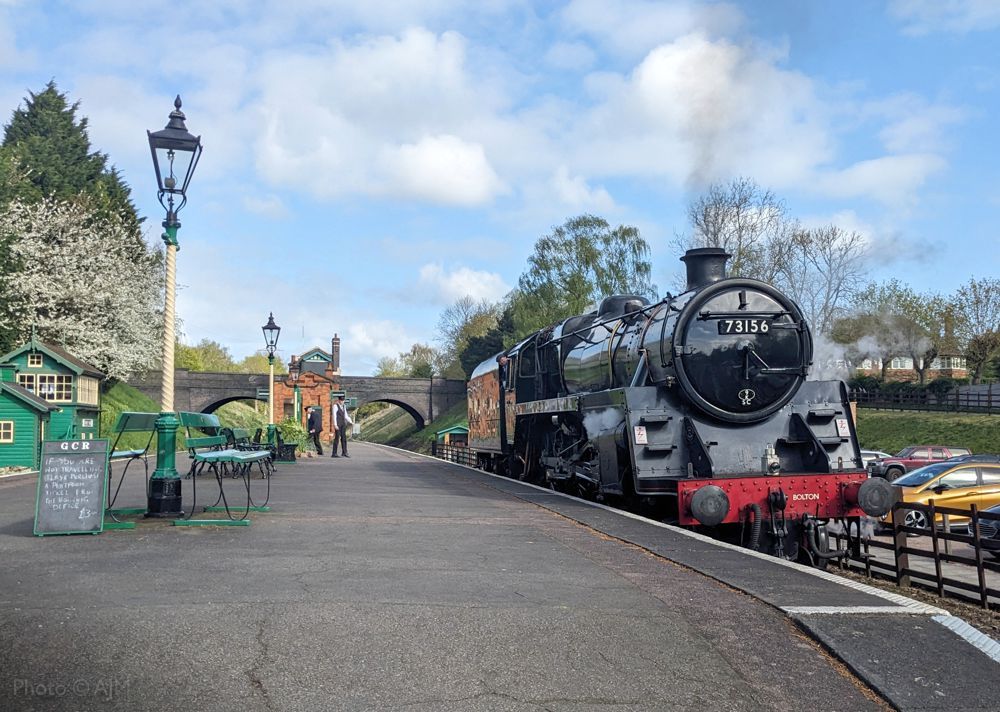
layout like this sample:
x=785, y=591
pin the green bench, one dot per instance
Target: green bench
x=129, y=422
x=214, y=450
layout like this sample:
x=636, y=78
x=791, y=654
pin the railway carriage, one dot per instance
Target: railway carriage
x=695, y=409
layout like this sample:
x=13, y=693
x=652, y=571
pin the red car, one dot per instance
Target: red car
x=912, y=457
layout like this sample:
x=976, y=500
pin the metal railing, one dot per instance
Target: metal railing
x=902, y=567
x=454, y=453
x=957, y=401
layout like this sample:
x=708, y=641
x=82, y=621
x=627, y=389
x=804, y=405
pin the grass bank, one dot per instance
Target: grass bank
x=890, y=431
x=121, y=397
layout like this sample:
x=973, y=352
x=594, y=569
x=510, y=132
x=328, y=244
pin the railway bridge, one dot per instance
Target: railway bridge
x=204, y=391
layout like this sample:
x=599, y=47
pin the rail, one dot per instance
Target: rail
x=957, y=401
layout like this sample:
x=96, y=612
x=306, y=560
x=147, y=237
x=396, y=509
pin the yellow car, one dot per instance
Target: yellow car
x=957, y=483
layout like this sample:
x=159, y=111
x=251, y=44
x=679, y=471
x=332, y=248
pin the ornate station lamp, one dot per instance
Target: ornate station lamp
x=271, y=333
x=175, y=156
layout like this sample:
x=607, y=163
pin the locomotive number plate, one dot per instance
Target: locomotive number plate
x=744, y=326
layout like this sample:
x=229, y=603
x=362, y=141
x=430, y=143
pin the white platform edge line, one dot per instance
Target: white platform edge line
x=898, y=599
x=848, y=610
x=970, y=635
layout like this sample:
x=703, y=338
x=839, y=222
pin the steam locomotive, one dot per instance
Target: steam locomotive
x=695, y=410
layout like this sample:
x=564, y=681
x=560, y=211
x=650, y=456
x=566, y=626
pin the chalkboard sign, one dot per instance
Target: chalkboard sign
x=72, y=485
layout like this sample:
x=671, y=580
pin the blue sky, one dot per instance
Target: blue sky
x=366, y=164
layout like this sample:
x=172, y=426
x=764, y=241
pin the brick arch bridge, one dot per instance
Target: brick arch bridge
x=201, y=391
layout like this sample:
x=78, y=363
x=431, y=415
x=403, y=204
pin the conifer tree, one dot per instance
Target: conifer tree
x=49, y=148
x=46, y=161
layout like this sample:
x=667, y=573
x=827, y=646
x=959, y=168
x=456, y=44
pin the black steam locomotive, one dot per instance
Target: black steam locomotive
x=695, y=410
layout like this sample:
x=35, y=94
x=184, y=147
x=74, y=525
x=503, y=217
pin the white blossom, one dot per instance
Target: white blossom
x=80, y=283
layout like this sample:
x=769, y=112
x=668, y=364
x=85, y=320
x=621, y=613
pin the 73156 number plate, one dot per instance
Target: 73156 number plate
x=744, y=326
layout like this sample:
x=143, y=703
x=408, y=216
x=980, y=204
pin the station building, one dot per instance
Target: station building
x=46, y=393
x=313, y=379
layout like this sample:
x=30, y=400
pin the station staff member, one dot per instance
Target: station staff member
x=341, y=421
x=315, y=426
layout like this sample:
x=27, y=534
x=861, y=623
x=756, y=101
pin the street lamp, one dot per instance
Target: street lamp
x=271, y=333
x=175, y=154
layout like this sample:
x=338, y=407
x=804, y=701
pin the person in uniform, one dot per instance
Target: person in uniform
x=315, y=426
x=341, y=421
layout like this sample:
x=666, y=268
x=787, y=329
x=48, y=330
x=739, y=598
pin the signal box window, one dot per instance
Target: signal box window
x=6, y=431
x=55, y=387
x=26, y=381
x=34, y=360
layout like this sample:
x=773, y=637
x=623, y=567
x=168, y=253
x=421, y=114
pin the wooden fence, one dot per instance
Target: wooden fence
x=985, y=400
x=903, y=545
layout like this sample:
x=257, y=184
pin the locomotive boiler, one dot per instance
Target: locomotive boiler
x=695, y=409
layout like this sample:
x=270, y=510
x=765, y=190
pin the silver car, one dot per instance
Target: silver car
x=868, y=456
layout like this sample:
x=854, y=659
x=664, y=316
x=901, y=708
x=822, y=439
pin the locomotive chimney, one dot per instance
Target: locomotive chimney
x=705, y=266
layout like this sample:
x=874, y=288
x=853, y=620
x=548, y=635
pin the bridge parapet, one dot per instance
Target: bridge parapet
x=203, y=391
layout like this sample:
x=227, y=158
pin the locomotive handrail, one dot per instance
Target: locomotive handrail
x=604, y=323
x=703, y=315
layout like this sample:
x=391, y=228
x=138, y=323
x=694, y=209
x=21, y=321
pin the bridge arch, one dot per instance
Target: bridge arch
x=212, y=407
x=417, y=416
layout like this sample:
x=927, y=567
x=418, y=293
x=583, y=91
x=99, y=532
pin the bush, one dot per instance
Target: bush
x=292, y=432
x=868, y=384
x=941, y=386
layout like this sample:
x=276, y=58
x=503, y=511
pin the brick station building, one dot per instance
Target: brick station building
x=312, y=380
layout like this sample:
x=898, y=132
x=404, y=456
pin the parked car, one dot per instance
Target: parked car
x=956, y=484
x=868, y=456
x=989, y=532
x=912, y=457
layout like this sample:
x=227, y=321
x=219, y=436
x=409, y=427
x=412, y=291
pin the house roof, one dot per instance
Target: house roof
x=27, y=397
x=80, y=368
x=463, y=429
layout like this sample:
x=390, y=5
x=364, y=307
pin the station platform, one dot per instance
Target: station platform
x=390, y=581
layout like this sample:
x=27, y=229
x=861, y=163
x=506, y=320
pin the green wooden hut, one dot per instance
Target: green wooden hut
x=24, y=419
x=62, y=380
x=456, y=436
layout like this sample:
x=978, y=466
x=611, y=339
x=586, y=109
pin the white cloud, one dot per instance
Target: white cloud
x=890, y=179
x=696, y=111
x=574, y=192
x=922, y=17
x=270, y=206
x=365, y=342
x=441, y=169
x=570, y=55
x=445, y=287
x=634, y=27
x=912, y=124
x=387, y=116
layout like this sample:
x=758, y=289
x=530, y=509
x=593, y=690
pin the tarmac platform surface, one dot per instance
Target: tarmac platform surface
x=389, y=581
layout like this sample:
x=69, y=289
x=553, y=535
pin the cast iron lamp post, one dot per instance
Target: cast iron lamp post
x=271, y=333
x=175, y=156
